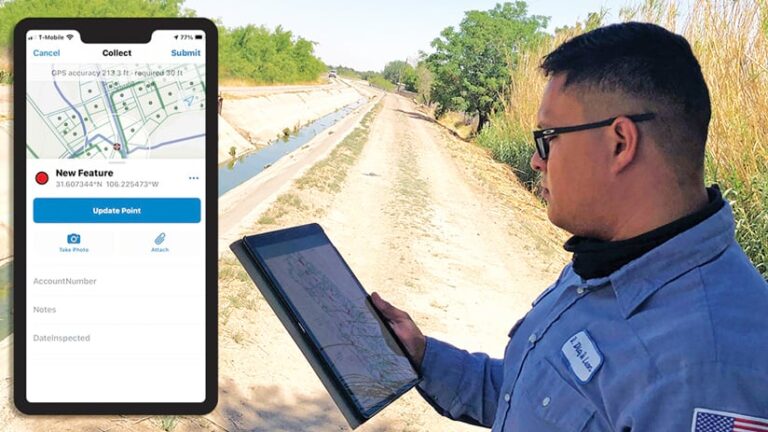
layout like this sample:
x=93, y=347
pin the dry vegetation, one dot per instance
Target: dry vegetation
x=730, y=39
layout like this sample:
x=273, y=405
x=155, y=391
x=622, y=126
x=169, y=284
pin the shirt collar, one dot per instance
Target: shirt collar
x=639, y=279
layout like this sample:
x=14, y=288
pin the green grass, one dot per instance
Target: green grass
x=167, y=423
x=235, y=291
x=512, y=145
x=326, y=176
x=381, y=82
x=329, y=174
x=749, y=200
x=284, y=204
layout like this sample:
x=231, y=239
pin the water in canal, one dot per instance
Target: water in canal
x=238, y=171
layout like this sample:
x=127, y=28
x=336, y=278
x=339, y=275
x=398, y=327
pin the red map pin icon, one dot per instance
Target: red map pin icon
x=41, y=178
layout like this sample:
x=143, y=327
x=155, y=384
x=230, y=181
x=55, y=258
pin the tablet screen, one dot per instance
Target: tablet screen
x=332, y=306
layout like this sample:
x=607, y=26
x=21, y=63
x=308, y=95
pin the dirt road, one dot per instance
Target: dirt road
x=428, y=221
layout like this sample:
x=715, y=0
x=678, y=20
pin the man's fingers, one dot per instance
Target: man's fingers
x=382, y=305
x=390, y=312
x=403, y=326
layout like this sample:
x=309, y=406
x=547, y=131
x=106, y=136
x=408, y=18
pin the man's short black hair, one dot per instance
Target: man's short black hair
x=651, y=65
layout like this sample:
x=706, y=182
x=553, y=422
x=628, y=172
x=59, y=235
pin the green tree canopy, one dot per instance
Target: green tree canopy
x=11, y=12
x=471, y=65
x=424, y=81
x=264, y=56
x=593, y=21
x=251, y=53
x=398, y=71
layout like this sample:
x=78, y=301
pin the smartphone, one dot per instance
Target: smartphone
x=115, y=208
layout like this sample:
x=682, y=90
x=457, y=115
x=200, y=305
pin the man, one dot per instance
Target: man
x=660, y=322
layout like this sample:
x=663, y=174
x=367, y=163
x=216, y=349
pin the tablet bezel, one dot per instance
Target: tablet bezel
x=115, y=30
x=302, y=231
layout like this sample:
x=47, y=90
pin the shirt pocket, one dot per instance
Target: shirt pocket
x=550, y=399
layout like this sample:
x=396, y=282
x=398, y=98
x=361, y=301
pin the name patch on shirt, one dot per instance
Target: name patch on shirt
x=582, y=356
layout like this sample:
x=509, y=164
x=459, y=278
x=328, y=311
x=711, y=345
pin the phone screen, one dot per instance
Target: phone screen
x=115, y=218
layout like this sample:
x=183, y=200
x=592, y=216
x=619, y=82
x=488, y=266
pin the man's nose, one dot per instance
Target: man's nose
x=537, y=163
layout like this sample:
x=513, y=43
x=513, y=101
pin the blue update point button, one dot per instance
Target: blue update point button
x=116, y=210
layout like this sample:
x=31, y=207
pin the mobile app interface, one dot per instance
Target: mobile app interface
x=115, y=242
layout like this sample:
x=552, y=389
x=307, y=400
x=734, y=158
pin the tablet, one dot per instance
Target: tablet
x=325, y=308
x=115, y=202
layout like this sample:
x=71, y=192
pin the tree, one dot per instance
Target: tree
x=593, y=21
x=12, y=12
x=264, y=56
x=424, y=81
x=398, y=71
x=471, y=66
x=346, y=72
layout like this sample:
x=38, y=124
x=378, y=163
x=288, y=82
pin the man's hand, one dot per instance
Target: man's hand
x=404, y=327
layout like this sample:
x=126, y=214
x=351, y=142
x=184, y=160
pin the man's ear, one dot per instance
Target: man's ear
x=625, y=137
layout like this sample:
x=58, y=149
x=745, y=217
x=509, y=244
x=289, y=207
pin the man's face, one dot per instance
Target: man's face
x=574, y=176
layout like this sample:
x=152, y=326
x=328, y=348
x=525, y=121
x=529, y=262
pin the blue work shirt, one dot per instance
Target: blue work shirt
x=681, y=328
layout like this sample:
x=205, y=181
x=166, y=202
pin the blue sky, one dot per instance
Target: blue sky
x=366, y=35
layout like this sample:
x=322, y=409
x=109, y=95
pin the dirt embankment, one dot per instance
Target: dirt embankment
x=251, y=120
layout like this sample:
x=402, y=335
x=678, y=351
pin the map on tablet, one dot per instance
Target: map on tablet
x=319, y=293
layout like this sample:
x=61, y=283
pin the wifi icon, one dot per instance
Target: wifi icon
x=69, y=36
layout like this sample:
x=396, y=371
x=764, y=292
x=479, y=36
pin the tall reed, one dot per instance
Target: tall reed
x=730, y=40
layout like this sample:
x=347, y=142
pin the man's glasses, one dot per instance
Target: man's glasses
x=542, y=137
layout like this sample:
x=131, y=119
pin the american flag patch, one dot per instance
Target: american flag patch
x=705, y=420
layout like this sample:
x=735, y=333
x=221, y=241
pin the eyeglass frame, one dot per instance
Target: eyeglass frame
x=541, y=137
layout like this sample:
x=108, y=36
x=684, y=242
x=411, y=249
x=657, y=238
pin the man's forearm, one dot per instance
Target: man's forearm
x=460, y=385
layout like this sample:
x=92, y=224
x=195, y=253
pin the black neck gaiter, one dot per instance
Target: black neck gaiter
x=593, y=258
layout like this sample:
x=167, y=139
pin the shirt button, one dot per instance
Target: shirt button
x=507, y=397
x=546, y=401
x=532, y=338
x=580, y=290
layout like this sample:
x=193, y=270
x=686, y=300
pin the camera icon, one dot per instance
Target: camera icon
x=73, y=238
